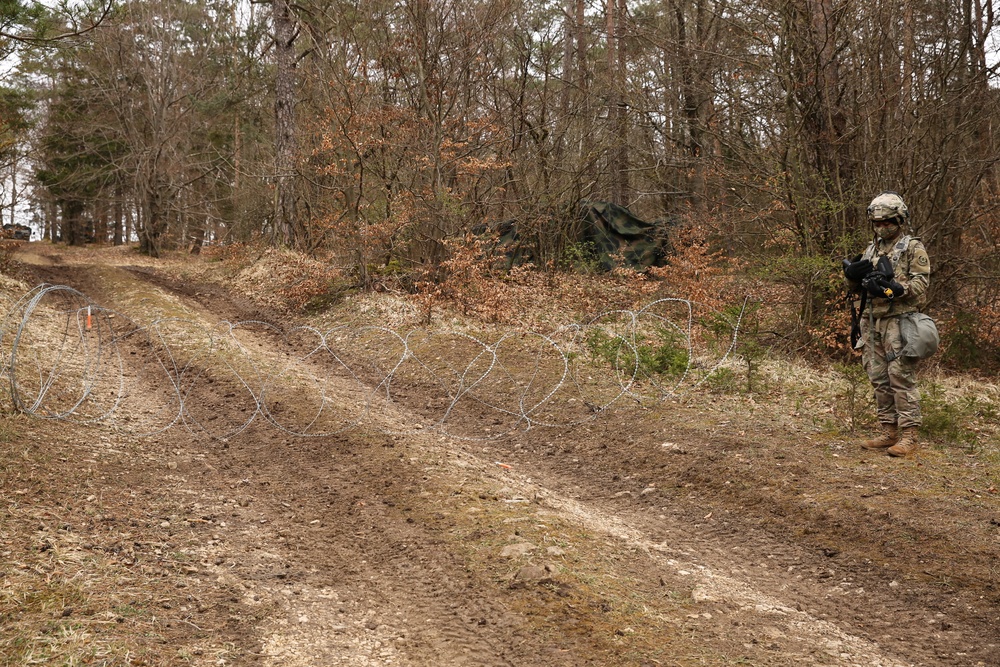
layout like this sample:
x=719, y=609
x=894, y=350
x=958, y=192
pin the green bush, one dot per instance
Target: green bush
x=663, y=354
x=582, y=257
x=723, y=381
x=952, y=421
x=747, y=346
x=964, y=350
x=857, y=395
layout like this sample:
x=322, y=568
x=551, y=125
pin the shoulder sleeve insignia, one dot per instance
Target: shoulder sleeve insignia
x=922, y=260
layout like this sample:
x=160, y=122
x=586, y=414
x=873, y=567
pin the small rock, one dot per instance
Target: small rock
x=555, y=551
x=532, y=573
x=517, y=550
x=701, y=594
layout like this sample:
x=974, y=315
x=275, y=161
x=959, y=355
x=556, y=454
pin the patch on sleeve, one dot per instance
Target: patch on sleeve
x=922, y=260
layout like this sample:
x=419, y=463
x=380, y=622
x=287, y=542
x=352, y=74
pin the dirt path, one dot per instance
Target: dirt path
x=695, y=533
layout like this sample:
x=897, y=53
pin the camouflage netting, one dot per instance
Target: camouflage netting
x=607, y=234
x=613, y=230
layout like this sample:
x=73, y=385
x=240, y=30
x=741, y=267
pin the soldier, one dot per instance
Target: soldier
x=889, y=279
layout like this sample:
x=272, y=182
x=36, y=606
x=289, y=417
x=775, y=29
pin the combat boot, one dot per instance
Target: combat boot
x=887, y=439
x=907, y=443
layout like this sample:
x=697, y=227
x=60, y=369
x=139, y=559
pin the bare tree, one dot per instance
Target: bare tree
x=286, y=223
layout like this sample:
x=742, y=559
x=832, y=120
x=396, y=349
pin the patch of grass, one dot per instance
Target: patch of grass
x=582, y=257
x=663, y=353
x=128, y=611
x=723, y=381
x=50, y=596
x=738, y=327
x=8, y=429
x=328, y=297
x=953, y=421
x=856, y=397
x=36, y=624
x=618, y=619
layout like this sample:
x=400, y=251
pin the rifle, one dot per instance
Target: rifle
x=874, y=279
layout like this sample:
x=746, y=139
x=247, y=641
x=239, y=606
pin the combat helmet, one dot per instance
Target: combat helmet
x=886, y=206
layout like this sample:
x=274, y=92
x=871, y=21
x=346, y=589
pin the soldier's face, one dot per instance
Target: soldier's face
x=886, y=229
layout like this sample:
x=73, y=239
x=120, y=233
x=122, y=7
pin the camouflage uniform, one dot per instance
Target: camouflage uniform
x=894, y=377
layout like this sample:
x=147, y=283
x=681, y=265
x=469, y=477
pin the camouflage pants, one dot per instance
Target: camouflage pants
x=896, y=395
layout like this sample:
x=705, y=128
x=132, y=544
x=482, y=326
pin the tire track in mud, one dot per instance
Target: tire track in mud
x=370, y=546
x=367, y=558
x=835, y=570
x=385, y=548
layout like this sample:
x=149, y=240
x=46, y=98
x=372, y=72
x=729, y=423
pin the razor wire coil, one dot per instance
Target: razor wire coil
x=66, y=357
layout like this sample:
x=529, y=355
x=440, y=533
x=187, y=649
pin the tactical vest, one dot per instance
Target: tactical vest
x=897, y=250
x=897, y=307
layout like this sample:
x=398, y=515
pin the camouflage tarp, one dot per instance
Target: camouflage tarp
x=613, y=230
x=603, y=232
x=507, y=241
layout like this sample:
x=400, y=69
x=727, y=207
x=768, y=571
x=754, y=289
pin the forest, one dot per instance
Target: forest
x=377, y=136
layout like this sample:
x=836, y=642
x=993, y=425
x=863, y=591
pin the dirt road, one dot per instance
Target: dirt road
x=716, y=530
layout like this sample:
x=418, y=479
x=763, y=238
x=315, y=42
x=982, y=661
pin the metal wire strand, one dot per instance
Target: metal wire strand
x=65, y=357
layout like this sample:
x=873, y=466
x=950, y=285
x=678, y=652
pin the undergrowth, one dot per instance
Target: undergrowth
x=662, y=353
x=956, y=420
x=530, y=298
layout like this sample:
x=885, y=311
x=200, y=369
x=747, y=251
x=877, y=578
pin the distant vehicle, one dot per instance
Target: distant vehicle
x=17, y=232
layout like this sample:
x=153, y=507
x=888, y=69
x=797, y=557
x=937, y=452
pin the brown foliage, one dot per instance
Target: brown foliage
x=475, y=284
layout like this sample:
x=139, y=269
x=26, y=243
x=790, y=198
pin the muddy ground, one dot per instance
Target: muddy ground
x=720, y=529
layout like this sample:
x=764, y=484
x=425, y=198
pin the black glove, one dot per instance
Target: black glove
x=856, y=270
x=885, y=288
x=894, y=290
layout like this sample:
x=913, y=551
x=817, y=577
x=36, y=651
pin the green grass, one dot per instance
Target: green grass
x=952, y=421
x=663, y=353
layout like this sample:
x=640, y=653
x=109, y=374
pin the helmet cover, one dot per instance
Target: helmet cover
x=886, y=206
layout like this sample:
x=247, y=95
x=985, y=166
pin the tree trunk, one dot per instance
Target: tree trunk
x=830, y=120
x=584, y=89
x=130, y=224
x=617, y=113
x=13, y=191
x=285, y=146
x=691, y=100
x=197, y=238
x=71, y=232
x=101, y=213
x=566, y=90
x=154, y=220
x=118, y=214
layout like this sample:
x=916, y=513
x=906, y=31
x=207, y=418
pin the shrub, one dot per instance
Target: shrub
x=953, y=421
x=664, y=353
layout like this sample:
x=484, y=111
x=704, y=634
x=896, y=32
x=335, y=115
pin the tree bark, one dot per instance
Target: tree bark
x=119, y=194
x=617, y=108
x=72, y=210
x=285, y=144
